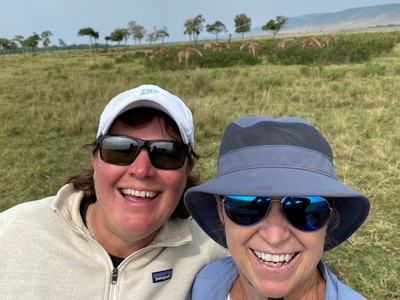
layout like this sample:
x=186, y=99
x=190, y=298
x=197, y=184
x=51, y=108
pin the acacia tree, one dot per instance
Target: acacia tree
x=107, y=39
x=137, y=31
x=119, y=34
x=242, y=24
x=157, y=34
x=216, y=28
x=7, y=46
x=193, y=27
x=93, y=35
x=126, y=35
x=162, y=34
x=189, y=28
x=151, y=37
x=20, y=39
x=4, y=45
x=46, y=38
x=61, y=43
x=32, y=41
x=275, y=25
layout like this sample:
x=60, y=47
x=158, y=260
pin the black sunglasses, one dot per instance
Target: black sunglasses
x=123, y=150
x=305, y=213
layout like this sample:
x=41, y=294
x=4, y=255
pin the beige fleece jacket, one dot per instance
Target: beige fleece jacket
x=47, y=253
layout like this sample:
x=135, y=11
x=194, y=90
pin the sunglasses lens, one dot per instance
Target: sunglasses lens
x=122, y=150
x=118, y=150
x=246, y=210
x=306, y=213
x=168, y=155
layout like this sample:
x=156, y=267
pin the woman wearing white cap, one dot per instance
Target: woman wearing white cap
x=277, y=205
x=119, y=230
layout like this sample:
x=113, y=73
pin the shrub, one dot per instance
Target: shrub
x=210, y=59
x=355, y=48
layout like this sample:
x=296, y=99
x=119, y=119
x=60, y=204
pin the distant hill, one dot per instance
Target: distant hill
x=349, y=19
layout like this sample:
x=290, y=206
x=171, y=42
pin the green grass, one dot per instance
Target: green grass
x=50, y=104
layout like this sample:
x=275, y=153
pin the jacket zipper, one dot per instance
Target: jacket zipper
x=114, y=276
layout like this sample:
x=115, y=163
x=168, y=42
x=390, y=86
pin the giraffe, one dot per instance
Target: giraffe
x=253, y=46
x=210, y=45
x=227, y=45
x=216, y=47
x=161, y=50
x=311, y=42
x=327, y=39
x=186, y=52
x=284, y=42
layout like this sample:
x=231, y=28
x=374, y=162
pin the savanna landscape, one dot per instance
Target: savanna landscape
x=349, y=89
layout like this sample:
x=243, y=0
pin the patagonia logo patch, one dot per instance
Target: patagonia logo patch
x=162, y=275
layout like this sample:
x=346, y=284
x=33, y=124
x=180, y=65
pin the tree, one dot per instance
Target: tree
x=242, y=24
x=4, y=45
x=61, y=43
x=151, y=37
x=12, y=45
x=275, y=25
x=126, y=35
x=19, y=39
x=189, y=28
x=107, y=39
x=193, y=27
x=89, y=32
x=137, y=31
x=119, y=34
x=46, y=38
x=32, y=42
x=162, y=34
x=216, y=28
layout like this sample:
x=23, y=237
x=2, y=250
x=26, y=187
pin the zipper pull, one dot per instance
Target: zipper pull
x=114, y=276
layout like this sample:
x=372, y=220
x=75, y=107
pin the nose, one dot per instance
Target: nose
x=141, y=167
x=274, y=228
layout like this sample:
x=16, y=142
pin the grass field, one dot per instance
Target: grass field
x=50, y=104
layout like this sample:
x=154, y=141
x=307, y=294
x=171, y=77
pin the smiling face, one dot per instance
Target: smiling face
x=277, y=259
x=135, y=200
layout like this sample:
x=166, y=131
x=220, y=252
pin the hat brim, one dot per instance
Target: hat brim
x=351, y=206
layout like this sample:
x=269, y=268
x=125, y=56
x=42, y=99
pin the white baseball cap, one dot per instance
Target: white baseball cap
x=152, y=96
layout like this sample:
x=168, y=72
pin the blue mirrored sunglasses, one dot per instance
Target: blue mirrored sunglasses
x=305, y=213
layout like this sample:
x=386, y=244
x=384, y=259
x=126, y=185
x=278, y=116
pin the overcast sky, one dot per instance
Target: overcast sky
x=64, y=18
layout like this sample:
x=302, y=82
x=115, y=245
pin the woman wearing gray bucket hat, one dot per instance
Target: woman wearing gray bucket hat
x=276, y=204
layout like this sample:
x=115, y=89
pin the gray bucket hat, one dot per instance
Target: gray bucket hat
x=264, y=156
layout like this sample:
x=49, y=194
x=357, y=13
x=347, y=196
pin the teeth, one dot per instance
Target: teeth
x=143, y=194
x=273, y=259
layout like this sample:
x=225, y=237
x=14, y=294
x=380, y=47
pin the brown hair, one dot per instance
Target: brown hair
x=138, y=117
x=333, y=222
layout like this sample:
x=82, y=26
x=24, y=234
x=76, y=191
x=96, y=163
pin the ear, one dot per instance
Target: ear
x=219, y=207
